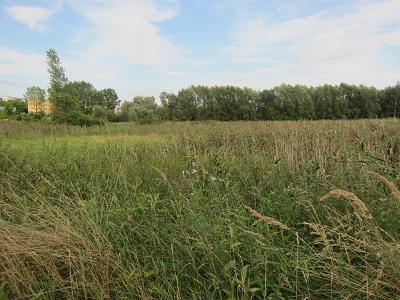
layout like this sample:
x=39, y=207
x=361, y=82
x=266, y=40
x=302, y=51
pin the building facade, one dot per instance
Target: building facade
x=8, y=98
x=35, y=106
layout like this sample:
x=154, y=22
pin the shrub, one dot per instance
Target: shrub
x=77, y=119
x=105, y=114
x=3, y=115
x=30, y=117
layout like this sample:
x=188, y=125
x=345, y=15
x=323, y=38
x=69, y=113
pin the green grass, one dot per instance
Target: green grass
x=158, y=211
x=75, y=143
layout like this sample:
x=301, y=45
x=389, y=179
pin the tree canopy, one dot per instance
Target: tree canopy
x=284, y=102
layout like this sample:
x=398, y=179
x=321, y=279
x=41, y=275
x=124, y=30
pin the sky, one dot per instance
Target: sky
x=143, y=47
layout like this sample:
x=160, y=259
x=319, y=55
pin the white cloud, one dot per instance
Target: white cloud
x=19, y=70
x=124, y=32
x=322, y=47
x=13, y=62
x=31, y=16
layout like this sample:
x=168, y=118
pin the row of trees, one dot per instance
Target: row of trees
x=284, y=102
x=226, y=103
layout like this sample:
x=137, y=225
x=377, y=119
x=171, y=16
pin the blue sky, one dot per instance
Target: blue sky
x=143, y=47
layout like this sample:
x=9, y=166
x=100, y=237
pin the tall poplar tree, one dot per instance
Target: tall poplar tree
x=60, y=101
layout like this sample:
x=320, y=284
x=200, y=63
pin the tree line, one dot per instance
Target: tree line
x=79, y=102
x=284, y=102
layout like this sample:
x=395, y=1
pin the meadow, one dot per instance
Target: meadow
x=200, y=210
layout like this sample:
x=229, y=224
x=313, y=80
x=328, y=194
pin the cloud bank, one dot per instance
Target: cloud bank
x=321, y=48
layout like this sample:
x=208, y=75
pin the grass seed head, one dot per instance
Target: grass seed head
x=266, y=219
x=356, y=202
x=395, y=191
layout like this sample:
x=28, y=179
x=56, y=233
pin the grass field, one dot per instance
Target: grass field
x=211, y=210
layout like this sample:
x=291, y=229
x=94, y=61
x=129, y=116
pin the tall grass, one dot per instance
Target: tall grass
x=210, y=210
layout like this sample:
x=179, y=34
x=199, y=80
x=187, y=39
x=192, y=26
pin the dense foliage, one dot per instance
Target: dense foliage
x=141, y=109
x=76, y=118
x=12, y=107
x=77, y=102
x=284, y=102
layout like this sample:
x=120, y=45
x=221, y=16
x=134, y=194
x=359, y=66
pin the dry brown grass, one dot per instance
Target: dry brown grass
x=359, y=206
x=268, y=220
x=352, y=134
x=125, y=138
x=54, y=254
x=392, y=187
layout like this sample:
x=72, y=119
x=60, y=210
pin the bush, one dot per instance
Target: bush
x=77, y=119
x=3, y=115
x=14, y=107
x=30, y=117
x=105, y=114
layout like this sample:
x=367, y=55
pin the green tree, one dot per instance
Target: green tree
x=390, y=101
x=285, y=103
x=127, y=112
x=145, y=109
x=142, y=109
x=168, y=106
x=61, y=103
x=14, y=107
x=36, y=95
x=108, y=99
x=265, y=105
x=187, y=104
x=369, y=101
x=83, y=93
x=329, y=102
